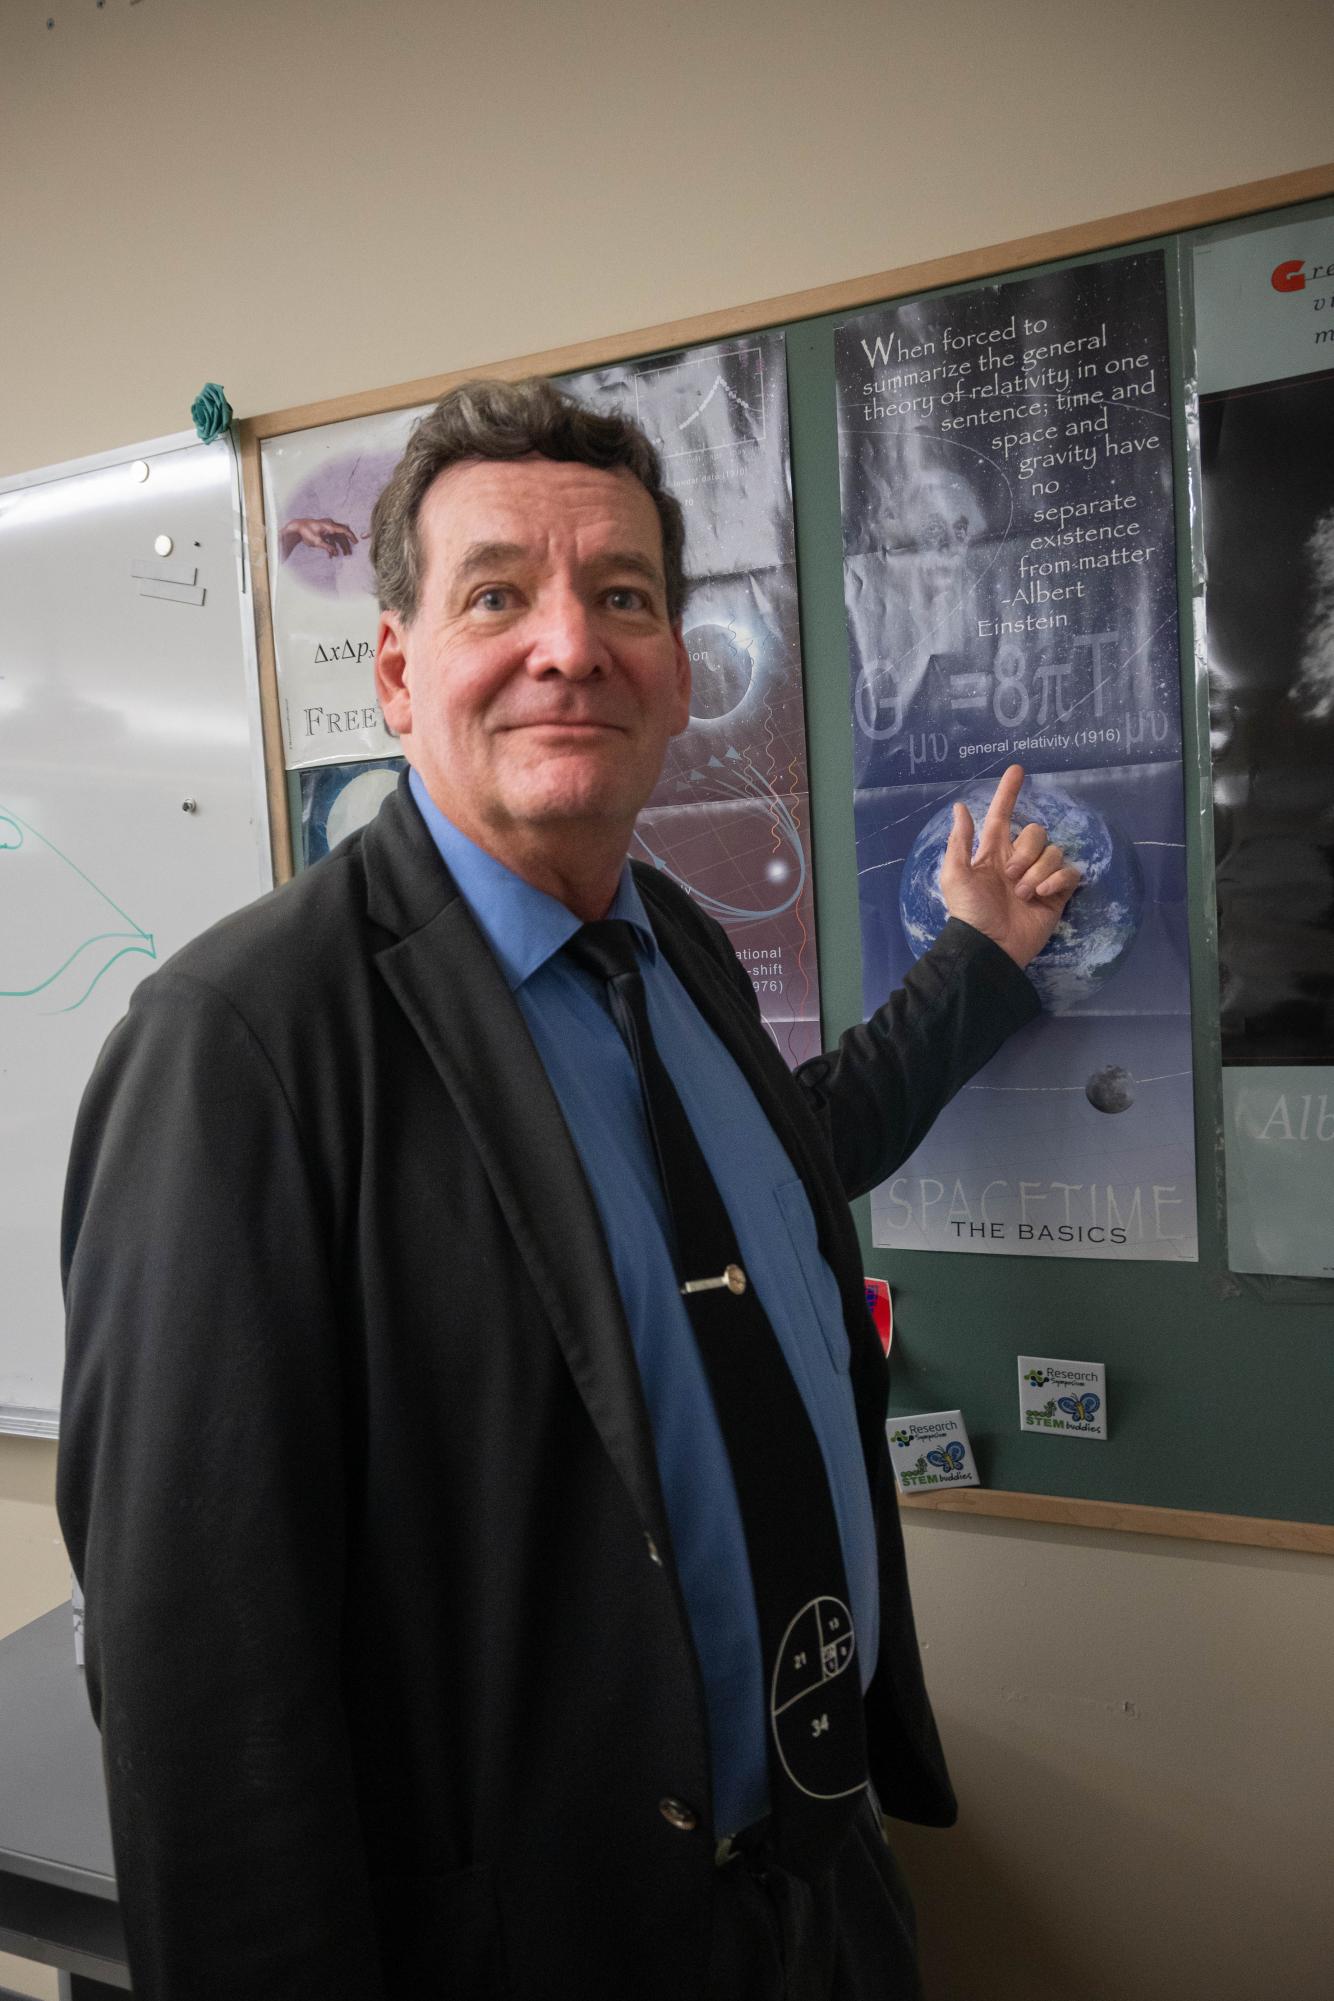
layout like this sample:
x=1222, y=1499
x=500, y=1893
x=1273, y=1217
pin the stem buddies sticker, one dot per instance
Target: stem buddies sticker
x=1069, y=1397
x=931, y=1451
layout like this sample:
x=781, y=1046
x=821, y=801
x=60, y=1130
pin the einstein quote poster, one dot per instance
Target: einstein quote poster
x=1010, y=588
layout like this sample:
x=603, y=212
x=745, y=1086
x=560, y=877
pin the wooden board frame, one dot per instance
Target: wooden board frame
x=1127, y=1518
x=994, y=261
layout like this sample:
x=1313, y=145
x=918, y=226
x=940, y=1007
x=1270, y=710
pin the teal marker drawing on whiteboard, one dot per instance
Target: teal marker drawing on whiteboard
x=45, y=914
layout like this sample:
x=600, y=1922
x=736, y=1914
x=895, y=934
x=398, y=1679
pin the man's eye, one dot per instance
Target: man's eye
x=495, y=597
x=624, y=597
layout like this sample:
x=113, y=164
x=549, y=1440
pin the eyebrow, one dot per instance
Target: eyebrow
x=634, y=561
x=480, y=557
x=485, y=556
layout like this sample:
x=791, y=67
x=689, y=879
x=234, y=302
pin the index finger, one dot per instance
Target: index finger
x=996, y=826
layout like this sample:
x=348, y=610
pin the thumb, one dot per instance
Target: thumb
x=959, y=847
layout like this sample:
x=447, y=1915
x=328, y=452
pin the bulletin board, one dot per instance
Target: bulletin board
x=1218, y=1379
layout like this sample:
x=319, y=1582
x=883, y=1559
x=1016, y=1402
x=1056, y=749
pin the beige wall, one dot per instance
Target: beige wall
x=322, y=196
x=34, y=1570
x=34, y=1576
x=21, y=1976
x=1142, y=1740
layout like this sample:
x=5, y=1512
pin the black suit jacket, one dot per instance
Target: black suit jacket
x=384, y=1634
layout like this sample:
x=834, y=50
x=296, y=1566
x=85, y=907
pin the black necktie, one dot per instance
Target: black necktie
x=816, y=1735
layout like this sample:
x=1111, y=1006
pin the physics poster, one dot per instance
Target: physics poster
x=1010, y=588
x=730, y=818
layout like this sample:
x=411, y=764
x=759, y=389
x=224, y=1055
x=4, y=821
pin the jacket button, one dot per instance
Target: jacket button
x=679, y=1814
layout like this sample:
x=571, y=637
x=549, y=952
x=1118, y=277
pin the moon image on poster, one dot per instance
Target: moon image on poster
x=1101, y=921
x=722, y=667
x=337, y=799
x=1111, y=1089
x=358, y=803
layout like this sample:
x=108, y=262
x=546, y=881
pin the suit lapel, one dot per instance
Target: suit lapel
x=444, y=977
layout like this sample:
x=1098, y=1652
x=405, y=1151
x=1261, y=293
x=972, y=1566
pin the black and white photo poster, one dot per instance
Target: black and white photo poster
x=1264, y=311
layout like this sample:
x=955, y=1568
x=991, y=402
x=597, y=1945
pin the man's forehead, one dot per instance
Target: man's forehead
x=526, y=501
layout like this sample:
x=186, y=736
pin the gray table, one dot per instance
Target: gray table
x=57, y=1884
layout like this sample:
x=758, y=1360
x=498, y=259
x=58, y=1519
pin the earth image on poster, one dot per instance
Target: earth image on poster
x=1102, y=919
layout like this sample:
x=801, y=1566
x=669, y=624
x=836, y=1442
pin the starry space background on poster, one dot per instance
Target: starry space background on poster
x=730, y=816
x=1010, y=586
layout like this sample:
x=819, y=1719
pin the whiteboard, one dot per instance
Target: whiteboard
x=127, y=688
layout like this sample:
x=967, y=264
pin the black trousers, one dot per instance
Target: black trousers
x=851, y=1936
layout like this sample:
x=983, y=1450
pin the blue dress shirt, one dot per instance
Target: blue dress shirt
x=595, y=1083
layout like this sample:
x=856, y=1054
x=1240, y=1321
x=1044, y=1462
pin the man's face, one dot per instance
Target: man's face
x=539, y=683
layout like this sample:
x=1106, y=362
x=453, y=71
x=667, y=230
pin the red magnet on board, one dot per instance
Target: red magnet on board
x=881, y=1309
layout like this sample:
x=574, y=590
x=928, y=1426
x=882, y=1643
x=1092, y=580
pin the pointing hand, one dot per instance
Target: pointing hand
x=1013, y=890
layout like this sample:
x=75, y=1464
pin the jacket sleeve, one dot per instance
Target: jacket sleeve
x=878, y=1093
x=202, y=1494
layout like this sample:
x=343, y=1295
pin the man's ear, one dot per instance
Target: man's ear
x=391, y=673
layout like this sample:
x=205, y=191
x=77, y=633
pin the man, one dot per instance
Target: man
x=422, y=1572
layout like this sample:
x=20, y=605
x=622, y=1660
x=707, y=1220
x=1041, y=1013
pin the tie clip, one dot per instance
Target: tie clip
x=733, y=1278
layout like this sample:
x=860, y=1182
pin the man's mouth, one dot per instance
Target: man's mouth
x=566, y=725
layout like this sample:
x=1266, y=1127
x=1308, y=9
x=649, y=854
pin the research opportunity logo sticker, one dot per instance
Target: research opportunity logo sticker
x=1067, y=1397
x=931, y=1451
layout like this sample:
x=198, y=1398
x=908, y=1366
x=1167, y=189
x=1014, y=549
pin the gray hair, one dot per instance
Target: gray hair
x=510, y=420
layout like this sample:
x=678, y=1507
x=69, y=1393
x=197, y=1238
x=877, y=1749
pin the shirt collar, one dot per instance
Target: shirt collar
x=523, y=926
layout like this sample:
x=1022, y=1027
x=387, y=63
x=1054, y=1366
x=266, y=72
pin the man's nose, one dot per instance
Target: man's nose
x=567, y=639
